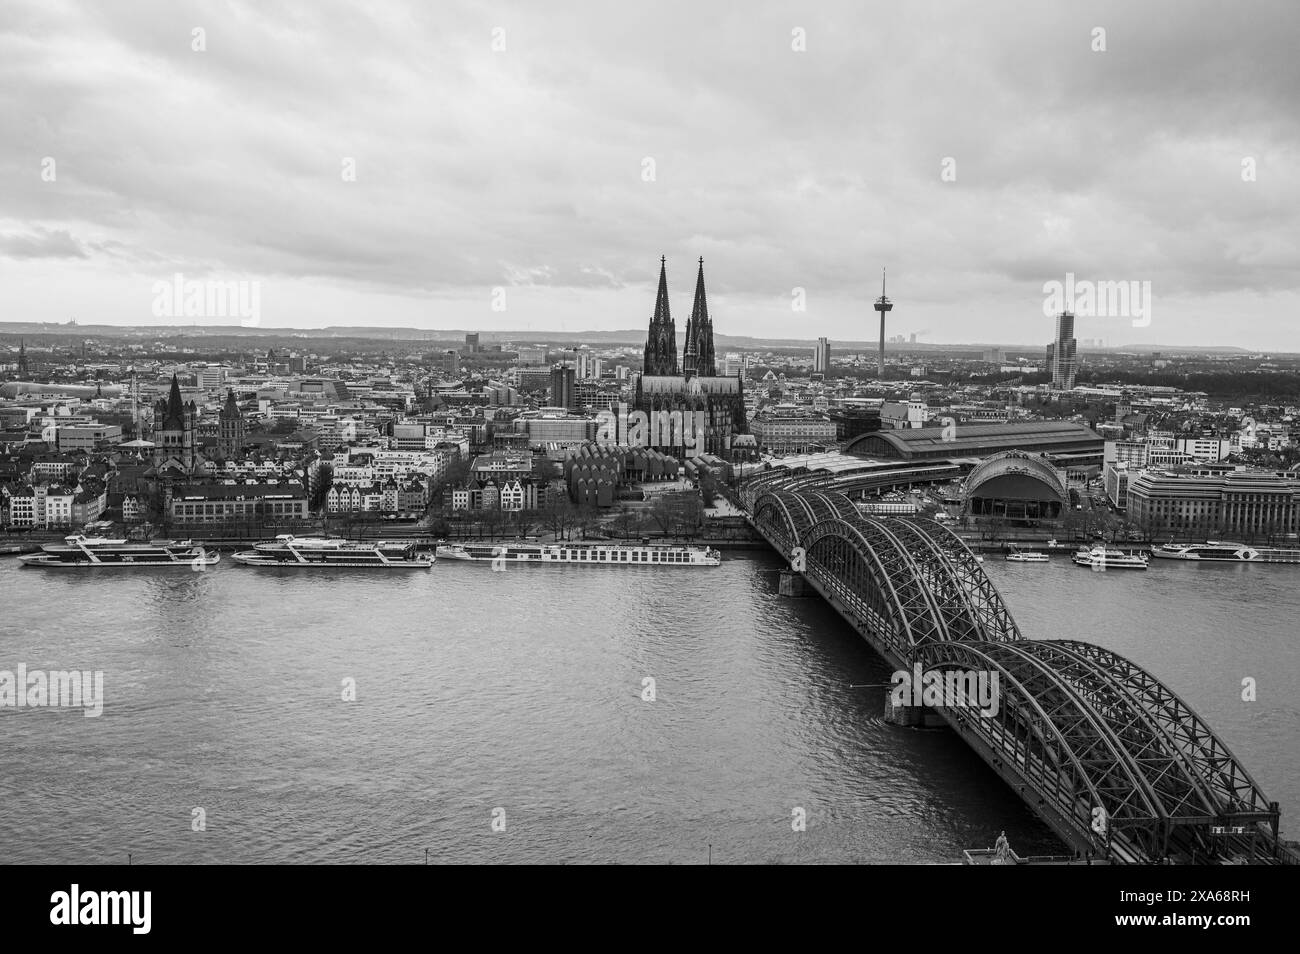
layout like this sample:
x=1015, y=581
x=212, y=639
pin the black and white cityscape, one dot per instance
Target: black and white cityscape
x=584, y=434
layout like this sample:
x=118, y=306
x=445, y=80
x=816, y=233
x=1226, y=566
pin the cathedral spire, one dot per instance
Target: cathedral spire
x=661, y=344
x=690, y=356
x=662, y=314
x=702, y=342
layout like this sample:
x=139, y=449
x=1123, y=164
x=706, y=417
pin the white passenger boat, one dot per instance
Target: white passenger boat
x=1106, y=558
x=1223, y=552
x=582, y=553
x=332, y=552
x=1017, y=555
x=79, y=550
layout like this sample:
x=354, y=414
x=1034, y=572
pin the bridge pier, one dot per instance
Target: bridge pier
x=912, y=717
x=792, y=584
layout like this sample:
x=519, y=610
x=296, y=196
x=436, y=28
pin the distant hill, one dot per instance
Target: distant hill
x=455, y=337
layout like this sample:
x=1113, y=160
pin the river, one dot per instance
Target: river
x=503, y=717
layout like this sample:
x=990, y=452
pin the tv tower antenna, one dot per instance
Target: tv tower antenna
x=883, y=305
x=135, y=405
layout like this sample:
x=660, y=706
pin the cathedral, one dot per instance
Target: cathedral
x=174, y=432
x=692, y=391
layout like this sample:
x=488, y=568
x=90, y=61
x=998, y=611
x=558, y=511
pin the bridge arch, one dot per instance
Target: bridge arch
x=781, y=516
x=788, y=515
x=868, y=563
x=991, y=608
x=1222, y=780
x=1069, y=707
x=1053, y=743
x=941, y=577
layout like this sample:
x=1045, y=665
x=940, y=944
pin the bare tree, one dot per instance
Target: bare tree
x=587, y=519
x=625, y=521
x=997, y=527
x=554, y=515
x=661, y=515
x=689, y=515
x=525, y=520
x=492, y=519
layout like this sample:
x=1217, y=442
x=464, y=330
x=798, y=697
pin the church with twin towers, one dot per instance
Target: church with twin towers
x=694, y=385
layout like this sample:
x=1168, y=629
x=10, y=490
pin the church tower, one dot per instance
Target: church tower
x=174, y=428
x=661, y=345
x=231, y=428
x=22, y=358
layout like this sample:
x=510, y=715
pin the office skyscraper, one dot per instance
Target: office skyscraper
x=822, y=356
x=564, y=392
x=1061, y=359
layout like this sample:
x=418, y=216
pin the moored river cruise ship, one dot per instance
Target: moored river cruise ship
x=334, y=553
x=588, y=552
x=79, y=550
x=1222, y=552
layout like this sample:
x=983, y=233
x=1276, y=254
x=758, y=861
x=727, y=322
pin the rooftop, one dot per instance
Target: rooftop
x=961, y=439
x=237, y=491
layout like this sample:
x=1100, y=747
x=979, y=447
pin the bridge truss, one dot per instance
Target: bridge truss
x=1111, y=758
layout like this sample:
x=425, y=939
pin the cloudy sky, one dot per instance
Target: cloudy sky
x=557, y=150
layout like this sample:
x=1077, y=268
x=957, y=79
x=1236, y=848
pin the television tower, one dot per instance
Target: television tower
x=135, y=406
x=883, y=305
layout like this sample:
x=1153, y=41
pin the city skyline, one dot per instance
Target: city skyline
x=765, y=433
x=595, y=339
x=542, y=163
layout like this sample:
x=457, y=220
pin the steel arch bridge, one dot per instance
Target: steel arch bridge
x=1107, y=755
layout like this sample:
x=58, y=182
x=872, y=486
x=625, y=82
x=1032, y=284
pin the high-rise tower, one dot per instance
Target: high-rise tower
x=883, y=305
x=1062, y=360
x=564, y=392
x=822, y=356
x=661, y=345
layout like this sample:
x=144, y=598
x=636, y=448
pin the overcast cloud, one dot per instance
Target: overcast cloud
x=522, y=168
